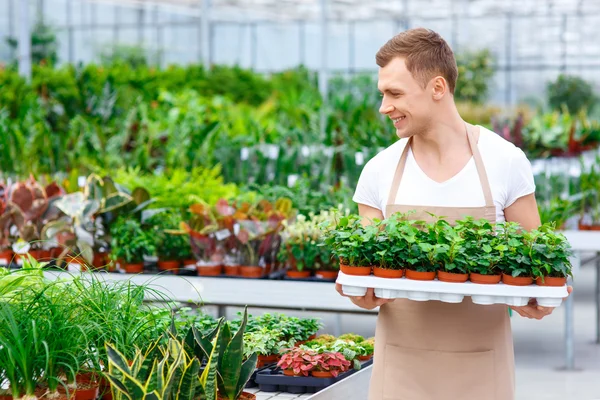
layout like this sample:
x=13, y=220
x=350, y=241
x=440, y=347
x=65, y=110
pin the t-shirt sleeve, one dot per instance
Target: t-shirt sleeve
x=367, y=189
x=520, y=178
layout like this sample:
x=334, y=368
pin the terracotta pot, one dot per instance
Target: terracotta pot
x=6, y=256
x=232, y=270
x=289, y=372
x=243, y=396
x=104, y=389
x=365, y=358
x=251, y=272
x=214, y=270
x=168, y=265
x=452, y=277
x=295, y=274
x=351, y=270
x=321, y=374
x=388, y=273
x=189, y=262
x=420, y=276
x=55, y=252
x=586, y=227
x=133, y=268
x=6, y=397
x=268, y=268
x=312, y=337
x=40, y=254
x=266, y=360
x=329, y=275
x=100, y=260
x=86, y=393
x=485, y=279
x=550, y=281
x=518, y=281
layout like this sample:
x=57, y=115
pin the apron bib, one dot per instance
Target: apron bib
x=439, y=351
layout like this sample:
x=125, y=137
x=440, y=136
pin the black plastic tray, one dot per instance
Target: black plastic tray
x=272, y=380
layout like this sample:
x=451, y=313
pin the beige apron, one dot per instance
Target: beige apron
x=439, y=351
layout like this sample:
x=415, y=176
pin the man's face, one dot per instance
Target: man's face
x=405, y=101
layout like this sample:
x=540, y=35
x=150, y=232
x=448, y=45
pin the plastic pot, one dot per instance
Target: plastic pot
x=388, y=273
x=133, y=268
x=232, y=270
x=485, y=279
x=248, y=271
x=168, y=265
x=329, y=275
x=321, y=374
x=420, y=276
x=266, y=360
x=365, y=358
x=452, y=277
x=86, y=393
x=550, y=281
x=212, y=270
x=517, y=281
x=6, y=256
x=295, y=274
x=352, y=270
x=189, y=262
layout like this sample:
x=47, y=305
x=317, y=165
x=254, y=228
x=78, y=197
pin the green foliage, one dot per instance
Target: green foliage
x=178, y=188
x=130, y=241
x=571, y=92
x=171, y=243
x=263, y=342
x=475, y=72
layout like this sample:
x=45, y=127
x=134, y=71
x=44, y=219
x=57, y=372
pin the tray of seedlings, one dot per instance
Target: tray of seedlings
x=490, y=263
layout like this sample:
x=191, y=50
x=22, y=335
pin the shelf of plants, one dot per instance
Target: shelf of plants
x=88, y=339
x=492, y=263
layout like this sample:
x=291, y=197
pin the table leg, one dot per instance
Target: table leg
x=569, y=328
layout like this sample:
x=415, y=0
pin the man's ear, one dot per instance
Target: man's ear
x=439, y=87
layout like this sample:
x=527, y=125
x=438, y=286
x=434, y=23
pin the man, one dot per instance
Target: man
x=442, y=165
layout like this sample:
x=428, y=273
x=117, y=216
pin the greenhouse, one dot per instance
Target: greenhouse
x=299, y=199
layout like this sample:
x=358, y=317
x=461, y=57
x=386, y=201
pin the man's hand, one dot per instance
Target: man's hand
x=533, y=311
x=368, y=301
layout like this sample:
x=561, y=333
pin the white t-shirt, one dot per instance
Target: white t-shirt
x=508, y=170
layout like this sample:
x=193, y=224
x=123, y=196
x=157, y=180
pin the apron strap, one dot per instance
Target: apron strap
x=399, y=172
x=483, y=178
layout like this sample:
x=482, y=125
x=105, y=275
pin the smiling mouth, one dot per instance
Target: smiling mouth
x=398, y=119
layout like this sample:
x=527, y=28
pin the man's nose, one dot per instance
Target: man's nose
x=386, y=108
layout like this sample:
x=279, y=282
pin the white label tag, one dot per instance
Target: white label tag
x=359, y=158
x=236, y=229
x=273, y=152
x=81, y=181
x=244, y=153
x=292, y=180
x=74, y=267
x=3, y=261
x=305, y=151
x=222, y=234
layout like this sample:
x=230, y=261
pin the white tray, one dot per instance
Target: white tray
x=452, y=292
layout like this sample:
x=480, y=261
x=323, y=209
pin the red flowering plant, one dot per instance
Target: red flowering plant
x=201, y=227
x=333, y=362
x=259, y=225
x=300, y=361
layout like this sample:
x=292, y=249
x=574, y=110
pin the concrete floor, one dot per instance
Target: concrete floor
x=539, y=346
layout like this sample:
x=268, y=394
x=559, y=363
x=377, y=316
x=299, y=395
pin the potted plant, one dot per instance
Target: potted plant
x=300, y=246
x=352, y=243
x=589, y=181
x=329, y=364
x=453, y=259
x=202, y=227
x=172, y=244
x=516, y=262
x=423, y=249
x=266, y=343
x=392, y=247
x=297, y=362
x=549, y=252
x=130, y=243
x=484, y=249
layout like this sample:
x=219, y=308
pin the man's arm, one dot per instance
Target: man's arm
x=525, y=212
x=368, y=301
